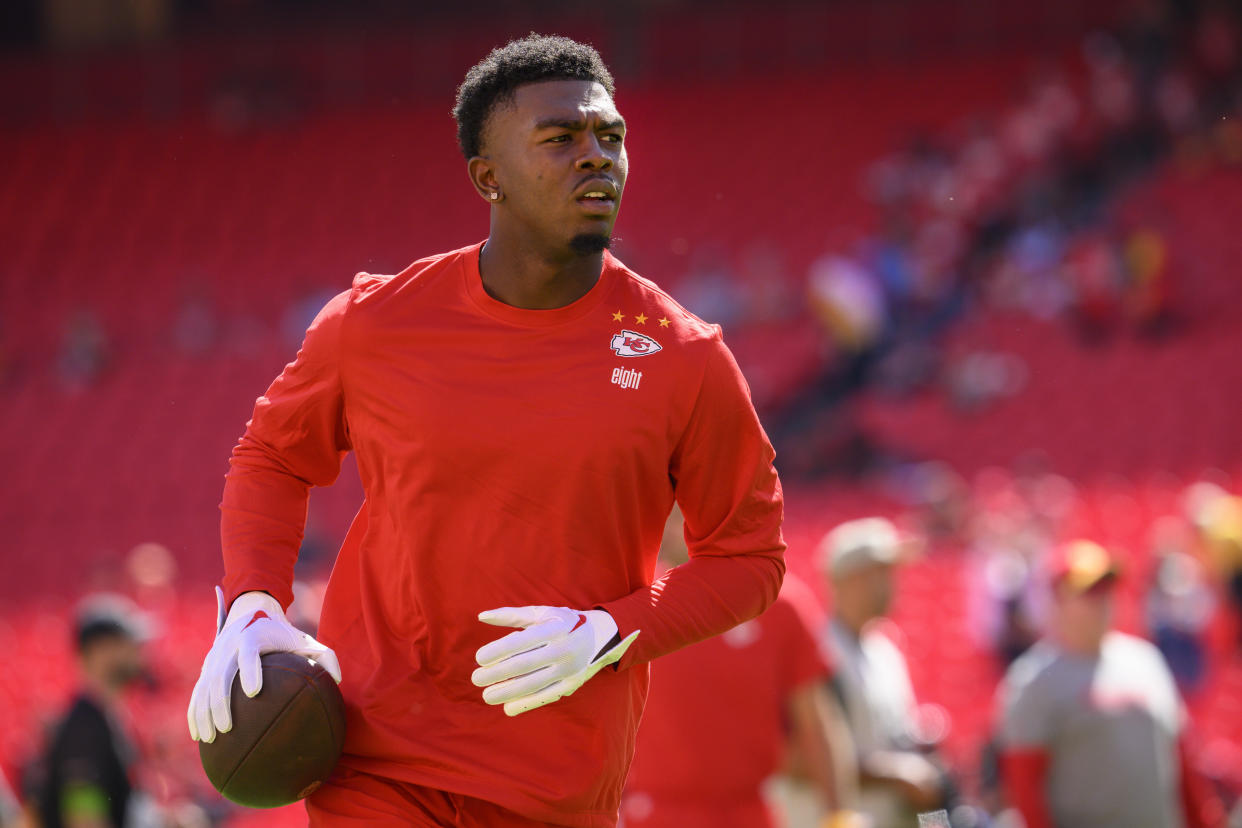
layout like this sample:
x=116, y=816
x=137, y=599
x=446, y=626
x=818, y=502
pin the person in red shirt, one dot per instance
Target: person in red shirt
x=524, y=413
x=724, y=714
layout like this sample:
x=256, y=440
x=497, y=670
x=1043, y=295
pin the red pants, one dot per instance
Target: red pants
x=351, y=798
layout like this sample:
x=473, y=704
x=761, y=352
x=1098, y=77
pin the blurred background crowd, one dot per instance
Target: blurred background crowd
x=976, y=261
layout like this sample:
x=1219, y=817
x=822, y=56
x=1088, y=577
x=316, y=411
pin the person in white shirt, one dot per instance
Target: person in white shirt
x=897, y=779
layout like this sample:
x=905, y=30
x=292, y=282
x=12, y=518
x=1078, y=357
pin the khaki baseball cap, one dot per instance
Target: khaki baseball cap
x=858, y=543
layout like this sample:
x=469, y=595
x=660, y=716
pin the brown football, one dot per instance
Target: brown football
x=285, y=741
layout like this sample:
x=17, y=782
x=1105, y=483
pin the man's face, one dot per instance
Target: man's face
x=557, y=152
x=868, y=590
x=117, y=660
x=1088, y=615
x=878, y=579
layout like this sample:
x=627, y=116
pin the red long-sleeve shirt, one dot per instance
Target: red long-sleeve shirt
x=508, y=457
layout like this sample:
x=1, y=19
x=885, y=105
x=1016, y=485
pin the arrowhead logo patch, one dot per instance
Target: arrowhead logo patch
x=631, y=344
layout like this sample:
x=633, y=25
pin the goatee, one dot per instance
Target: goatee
x=588, y=244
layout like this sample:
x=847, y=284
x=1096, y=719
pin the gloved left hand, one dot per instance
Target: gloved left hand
x=557, y=651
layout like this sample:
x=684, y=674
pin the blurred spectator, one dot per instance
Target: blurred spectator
x=1096, y=279
x=711, y=289
x=152, y=570
x=1002, y=588
x=977, y=379
x=196, y=329
x=1015, y=518
x=848, y=301
x=300, y=312
x=942, y=499
x=150, y=578
x=766, y=274
x=897, y=779
x=1217, y=517
x=85, y=776
x=1032, y=260
x=1179, y=605
x=84, y=352
x=1149, y=300
x=1092, y=728
x=723, y=714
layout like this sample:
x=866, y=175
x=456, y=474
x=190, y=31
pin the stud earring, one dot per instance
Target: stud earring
x=493, y=196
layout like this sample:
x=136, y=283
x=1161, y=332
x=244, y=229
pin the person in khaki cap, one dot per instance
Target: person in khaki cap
x=1091, y=725
x=858, y=559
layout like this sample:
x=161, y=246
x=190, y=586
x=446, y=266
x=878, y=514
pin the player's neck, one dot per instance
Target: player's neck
x=517, y=273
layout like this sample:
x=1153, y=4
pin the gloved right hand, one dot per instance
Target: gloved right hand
x=255, y=625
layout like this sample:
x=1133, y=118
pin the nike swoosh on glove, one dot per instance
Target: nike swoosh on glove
x=556, y=651
x=254, y=625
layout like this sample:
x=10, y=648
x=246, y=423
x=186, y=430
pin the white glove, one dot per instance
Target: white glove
x=255, y=625
x=557, y=651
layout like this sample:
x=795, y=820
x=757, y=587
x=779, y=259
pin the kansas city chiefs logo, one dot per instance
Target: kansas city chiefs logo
x=631, y=344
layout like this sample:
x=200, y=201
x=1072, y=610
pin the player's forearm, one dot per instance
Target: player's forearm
x=699, y=599
x=262, y=519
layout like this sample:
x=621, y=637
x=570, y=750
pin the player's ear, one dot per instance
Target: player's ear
x=483, y=176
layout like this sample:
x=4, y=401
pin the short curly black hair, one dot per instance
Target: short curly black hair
x=527, y=60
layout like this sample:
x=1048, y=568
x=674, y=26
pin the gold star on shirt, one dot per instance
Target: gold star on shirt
x=641, y=319
x=617, y=317
x=663, y=322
